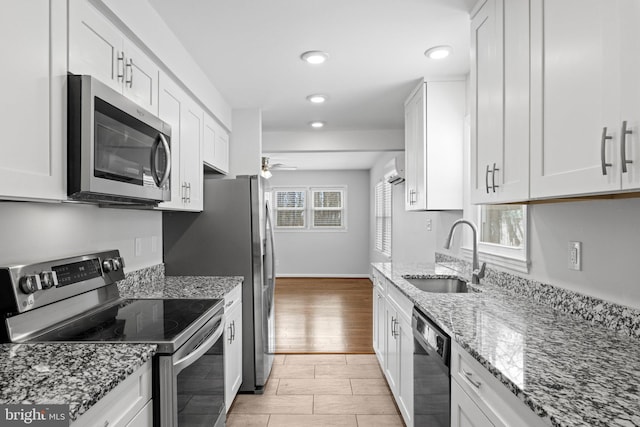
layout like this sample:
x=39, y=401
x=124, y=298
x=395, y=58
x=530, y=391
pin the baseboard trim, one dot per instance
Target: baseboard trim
x=332, y=276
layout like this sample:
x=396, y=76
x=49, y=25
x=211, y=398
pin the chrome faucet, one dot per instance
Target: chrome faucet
x=478, y=272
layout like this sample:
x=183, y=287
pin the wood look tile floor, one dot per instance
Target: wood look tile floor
x=323, y=315
x=333, y=390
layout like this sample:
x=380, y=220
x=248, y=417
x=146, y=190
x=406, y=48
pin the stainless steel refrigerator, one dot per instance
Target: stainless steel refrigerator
x=233, y=236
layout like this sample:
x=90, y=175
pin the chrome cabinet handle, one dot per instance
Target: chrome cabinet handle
x=129, y=65
x=393, y=323
x=623, y=146
x=230, y=337
x=603, y=140
x=234, y=329
x=121, y=66
x=189, y=190
x=493, y=178
x=476, y=384
x=184, y=192
x=486, y=179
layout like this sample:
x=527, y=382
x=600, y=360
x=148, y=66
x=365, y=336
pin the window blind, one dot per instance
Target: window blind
x=383, y=209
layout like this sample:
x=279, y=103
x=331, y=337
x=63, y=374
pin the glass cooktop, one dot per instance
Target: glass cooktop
x=134, y=320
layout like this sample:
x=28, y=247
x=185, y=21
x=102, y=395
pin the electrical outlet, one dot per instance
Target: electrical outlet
x=575, y=255
x=429, y=226
x=138, y=246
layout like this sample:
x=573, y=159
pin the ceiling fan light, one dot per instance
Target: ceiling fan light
x=317, y=98
x=438, y=52
x=317, y=125
x=314, y=57
x=266, y=173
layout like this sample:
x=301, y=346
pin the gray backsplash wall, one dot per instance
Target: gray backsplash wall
x=39, y=231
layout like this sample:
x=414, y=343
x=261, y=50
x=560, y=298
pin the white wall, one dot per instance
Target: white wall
x=41, y=231
x=245, y=146
x=412, y=241
x=610, y=234
x=327, y=254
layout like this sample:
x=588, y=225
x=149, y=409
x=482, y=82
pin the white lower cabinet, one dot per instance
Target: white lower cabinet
x=479, y=399
x=129, y=404
x=393, y=342
x=232, y=345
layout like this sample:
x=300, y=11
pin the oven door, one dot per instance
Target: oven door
x=189, y=387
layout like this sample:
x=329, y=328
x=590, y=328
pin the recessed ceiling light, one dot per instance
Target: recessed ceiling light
x=314, y=57
x=316, y=125
x=317, y=98
x=438, y=52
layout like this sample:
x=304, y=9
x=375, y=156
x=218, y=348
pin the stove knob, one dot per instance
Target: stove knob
x=48, y=279
x=107, y=265
x=30, y=283
x=117, y=265
x=120, y=261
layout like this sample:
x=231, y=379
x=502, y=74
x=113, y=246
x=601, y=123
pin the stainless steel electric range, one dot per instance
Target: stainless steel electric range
x=76, y=300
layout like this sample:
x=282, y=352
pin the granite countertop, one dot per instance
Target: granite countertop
x=180, y=287
x=567, y=370
x=74, y=374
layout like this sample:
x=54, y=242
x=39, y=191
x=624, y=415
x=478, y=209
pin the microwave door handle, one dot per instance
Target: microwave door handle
x=191, y=358
x=154, y=172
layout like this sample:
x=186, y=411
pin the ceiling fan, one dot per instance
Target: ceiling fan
x=267, y=167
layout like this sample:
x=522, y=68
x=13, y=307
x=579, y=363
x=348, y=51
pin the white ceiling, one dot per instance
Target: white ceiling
x=354, y=160
x=250, y=51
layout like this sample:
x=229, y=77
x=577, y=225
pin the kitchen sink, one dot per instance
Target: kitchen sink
x=438, y=285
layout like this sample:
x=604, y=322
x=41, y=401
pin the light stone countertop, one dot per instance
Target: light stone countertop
x=567, y=370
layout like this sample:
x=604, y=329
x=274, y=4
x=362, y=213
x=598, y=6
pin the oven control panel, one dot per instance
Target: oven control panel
x=23, y=287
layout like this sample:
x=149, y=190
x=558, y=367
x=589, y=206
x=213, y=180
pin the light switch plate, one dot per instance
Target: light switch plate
x=575, y=256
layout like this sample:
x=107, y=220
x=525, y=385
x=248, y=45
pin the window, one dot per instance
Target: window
x=328, y=208
x=502, y=236
x=383, y=217
x=310, y=208
x=290, y=208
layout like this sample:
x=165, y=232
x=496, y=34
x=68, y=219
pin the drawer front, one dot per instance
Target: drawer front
x=232, y=298
x=404, y=304
x=494, y=399
x=379, y=281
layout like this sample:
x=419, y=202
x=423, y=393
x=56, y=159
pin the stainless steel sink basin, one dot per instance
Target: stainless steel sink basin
x=438, y=285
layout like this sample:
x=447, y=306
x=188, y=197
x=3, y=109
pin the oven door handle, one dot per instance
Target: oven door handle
x=191, y=358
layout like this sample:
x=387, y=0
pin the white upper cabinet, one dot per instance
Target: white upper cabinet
x=434, y=115
x=215, y=146
x=185, y=119
x=33, y=103
x=98, y=48
x=500, y=106
x=576, y=120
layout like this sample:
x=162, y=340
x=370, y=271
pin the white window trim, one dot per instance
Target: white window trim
x=308, y=210
x=515, y=259
x=313, y=208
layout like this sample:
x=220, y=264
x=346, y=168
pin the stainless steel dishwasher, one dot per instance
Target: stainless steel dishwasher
x=431, y=380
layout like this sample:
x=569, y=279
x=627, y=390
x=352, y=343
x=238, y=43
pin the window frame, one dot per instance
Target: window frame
x=313, y=208
x=277, y=209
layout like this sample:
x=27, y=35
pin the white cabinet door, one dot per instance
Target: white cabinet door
x=215, y=150
x=434, y=115
x=33, y=105
x=170, y=105
x=392, y=349
x=141, y=78
x=190, y=156
x=464, y=412
x=500, y=110
x=95, y=45
x=233, y=345
x=630, y=91
x=574, y=97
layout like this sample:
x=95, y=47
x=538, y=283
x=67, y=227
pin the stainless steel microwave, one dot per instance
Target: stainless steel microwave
x=117, y=153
